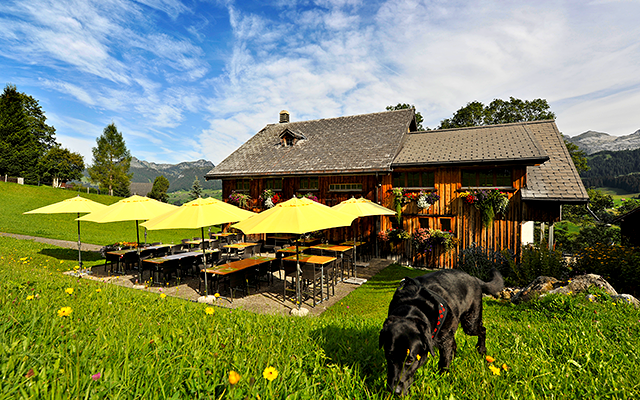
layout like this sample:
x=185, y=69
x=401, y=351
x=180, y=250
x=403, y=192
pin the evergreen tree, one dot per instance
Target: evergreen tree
x=196, y=189
x=24, y=135
x=159, y=190
x=111, y=162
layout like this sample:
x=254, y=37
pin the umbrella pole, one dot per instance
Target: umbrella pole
x=204, y=262
x=355, y=257
x=79, y=248
x=298, y=295
x=138, y=251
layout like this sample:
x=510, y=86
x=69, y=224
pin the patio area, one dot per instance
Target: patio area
x=267, y=300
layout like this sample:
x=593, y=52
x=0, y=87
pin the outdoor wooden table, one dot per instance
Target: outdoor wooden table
x=308, y=241
x=158, y=262
x=280, y=239
x=336, y=250
x=120, y=256
x=196, y=243
x=314, y=260
x=233, y=267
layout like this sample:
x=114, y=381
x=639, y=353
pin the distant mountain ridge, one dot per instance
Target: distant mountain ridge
x=180, y=176
x=592, y=142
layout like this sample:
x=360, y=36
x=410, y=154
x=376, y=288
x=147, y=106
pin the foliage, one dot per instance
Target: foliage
x=394, y=235
x=269, y=198
x=426, y=240
x=478, y=261
x=308, y=195
x=423, y=199
x=578, y=157
x=24, y=135
x=628, y=205
x=600, y=204
x=196, y=189
x=489, y=202
x=498, y=112
x=404, y=106
x=540, y=261
x=239, y=199
x=619, y=265
x=111, y=161
x=159, y=190
x=399, y=199
x=60, y=165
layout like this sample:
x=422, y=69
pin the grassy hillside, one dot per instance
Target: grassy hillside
x=16, y=199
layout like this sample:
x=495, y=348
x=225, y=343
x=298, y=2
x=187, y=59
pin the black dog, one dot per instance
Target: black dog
x=424, y=314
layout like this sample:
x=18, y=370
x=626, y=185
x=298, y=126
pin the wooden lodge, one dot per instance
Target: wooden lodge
x=370, y=155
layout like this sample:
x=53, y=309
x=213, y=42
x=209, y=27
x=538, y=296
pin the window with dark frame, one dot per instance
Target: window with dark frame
x=445, y=224
x=424, y=223
x=345, y=187
x=498, y=177
x=414, y=179
x=243, y=185
x=309, y=183
x=274, y=184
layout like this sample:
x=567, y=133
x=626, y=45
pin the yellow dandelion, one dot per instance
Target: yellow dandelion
x=209, y=311
x=61, y=261
x=418, y=357
x=162, y=295
x=64, y=312
x=489, y=359
x=98, y=290
x=270, y=373
x=234, y=377
x=504, y=367
x=69, y=290
x=216, y=295
x=23, y=258
x=496, y=371
x=30, y=297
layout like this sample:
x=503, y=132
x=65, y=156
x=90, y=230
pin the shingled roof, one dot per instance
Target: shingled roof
x=359, y=143
x=556, y=179
x=551, y=175
x=510, y=143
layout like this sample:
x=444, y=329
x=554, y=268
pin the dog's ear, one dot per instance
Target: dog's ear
x=425, y=334
x=384, y=332
x=408, y=284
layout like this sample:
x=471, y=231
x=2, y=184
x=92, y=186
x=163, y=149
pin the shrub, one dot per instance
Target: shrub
x=619, y=265
x=478, y=261
x=540, y=261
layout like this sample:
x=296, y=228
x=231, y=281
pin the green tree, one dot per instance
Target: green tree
x=111, y=162
x=60, y=165
x=600, y=204
x=159, y=190
x=498, y=112
x=404, y=106
x=24, y=135
x=578, y=157
x=196, y=189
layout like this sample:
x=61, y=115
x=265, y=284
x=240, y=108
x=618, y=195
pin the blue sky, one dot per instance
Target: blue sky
x=188, y=80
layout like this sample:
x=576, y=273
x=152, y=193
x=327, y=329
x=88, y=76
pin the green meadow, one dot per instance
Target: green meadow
x=67, y=338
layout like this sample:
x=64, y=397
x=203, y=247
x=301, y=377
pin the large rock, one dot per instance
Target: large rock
x=582, y=283
x=539, y=286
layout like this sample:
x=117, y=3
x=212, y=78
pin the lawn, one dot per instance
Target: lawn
x=63, y=337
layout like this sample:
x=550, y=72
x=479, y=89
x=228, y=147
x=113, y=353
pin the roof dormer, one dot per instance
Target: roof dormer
x=290, y=137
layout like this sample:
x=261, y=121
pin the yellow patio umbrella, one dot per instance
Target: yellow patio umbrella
x=199, y=213
x=361, y=208
x=298, y=216
x=78, y=205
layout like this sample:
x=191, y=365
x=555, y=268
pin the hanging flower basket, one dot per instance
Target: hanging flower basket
x=269, y=198
x=239, y=199
x=489, y=202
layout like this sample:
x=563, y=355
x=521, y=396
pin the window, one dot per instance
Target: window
x=500, y=177
x=414, y=179
x=345, y=187
x=243, y=185
x=424, y=223
x=309, y=184
x=445, y=224
x=274, y=184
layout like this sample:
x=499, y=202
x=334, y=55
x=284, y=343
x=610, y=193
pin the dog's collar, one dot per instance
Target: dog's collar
x=442, y=312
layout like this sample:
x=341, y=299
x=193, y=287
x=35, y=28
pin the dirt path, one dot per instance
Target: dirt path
x=267, y=300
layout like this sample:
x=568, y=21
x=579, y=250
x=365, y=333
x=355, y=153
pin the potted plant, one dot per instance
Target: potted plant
x=489, y=202
x=239, y=199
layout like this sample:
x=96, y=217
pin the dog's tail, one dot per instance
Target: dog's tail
x=495, y=285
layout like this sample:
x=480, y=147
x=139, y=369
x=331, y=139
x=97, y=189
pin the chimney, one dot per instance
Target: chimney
x=284, y=116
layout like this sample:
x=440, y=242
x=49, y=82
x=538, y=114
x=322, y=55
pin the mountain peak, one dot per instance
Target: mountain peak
x=592, y=141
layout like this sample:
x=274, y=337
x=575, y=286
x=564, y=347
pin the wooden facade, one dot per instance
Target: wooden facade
x=449, y=213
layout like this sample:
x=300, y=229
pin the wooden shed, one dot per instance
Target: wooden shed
x=374, y=155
